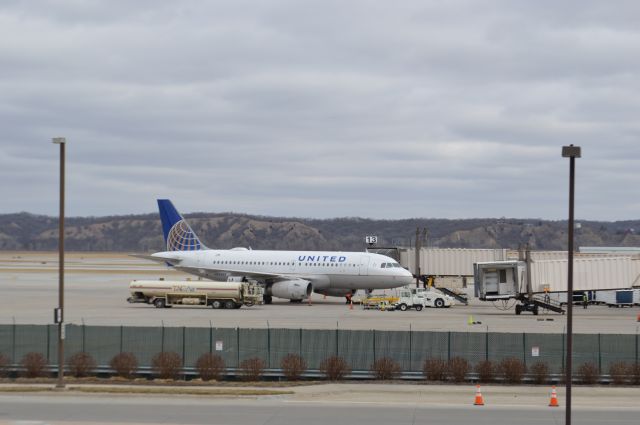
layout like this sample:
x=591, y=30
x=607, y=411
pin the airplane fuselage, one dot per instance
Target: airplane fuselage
x=327, y=270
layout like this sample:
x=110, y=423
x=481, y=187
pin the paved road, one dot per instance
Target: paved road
x=66, y=409
x=97, y=288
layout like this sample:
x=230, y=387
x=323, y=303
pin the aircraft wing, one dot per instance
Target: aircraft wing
x=158, y=259
x=206, y=272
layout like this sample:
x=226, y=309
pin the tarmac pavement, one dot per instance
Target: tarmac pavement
x=340, y=403
x=96, y=289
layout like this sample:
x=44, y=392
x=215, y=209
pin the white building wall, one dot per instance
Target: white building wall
x=588, y=273
x=449, y=261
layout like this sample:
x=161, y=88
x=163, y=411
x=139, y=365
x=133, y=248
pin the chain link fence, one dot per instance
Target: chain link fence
x=359, y=348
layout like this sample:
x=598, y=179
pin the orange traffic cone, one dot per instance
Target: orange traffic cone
x=479, y=400
x=554, y=397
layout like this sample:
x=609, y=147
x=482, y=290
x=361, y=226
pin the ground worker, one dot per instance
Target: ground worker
x=585, y=300
x=547, y=299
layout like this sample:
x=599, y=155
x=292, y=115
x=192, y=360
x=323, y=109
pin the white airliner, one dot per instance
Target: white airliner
x=293, y=275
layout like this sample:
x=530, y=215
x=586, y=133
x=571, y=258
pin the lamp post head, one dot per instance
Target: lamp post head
x=59, y=140
x=571, y=151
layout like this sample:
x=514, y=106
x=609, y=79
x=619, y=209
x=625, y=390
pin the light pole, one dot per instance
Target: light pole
x=571, y=152
x=59, y=312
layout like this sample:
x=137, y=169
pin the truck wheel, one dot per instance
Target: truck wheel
x=439, y=303
x=229, y=305
x=418, y=307
x=402, y=307
x=216, y=304
x=159, y=303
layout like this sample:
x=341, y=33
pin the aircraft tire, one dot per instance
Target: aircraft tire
x=267, y=299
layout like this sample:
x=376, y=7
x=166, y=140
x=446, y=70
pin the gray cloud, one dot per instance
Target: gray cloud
x=321, y=109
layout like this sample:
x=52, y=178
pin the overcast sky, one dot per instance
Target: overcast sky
x=447, y=109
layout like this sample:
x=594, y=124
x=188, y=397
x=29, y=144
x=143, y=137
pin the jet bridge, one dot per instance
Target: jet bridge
x=528, y=281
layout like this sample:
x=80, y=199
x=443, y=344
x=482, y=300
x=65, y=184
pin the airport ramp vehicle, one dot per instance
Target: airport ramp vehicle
x=164, y=293
x=378, y=302
x=458, y=297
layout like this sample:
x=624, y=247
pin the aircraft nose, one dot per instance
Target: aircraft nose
x=407, y=277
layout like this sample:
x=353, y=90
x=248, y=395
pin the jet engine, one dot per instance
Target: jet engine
x=295, y=289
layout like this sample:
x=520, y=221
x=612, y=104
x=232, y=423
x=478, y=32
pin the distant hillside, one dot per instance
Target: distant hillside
x=142, y=233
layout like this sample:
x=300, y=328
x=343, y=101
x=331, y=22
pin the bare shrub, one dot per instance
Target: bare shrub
x=385, y=368
x=251, y=369
x=125, y=364
x=34, y=365
x=167, y=365
x=540, y=372
x=334, y=368
x=210, y=366
x=293, y=366
x=512, y=370
x=589, y=373
x=435, y=369
x=4, y=365
x=81, y=364
x=620, y=373
x=486, y=371
x=458, y=368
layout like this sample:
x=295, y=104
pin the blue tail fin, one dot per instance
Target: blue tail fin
x=178, y=235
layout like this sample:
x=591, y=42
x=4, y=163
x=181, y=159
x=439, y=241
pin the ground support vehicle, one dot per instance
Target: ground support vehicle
x=420, y=298
x=162, y=293
x=382, y=302
x=435, y=298
x=619, y=298
x=408, y=300
x=537, y=302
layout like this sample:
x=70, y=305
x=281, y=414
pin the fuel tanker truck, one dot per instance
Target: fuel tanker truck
x=167, y=293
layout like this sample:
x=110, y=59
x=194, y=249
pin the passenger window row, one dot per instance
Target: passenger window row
x=272, y=263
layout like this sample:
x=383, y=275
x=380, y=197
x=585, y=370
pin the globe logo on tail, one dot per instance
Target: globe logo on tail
x=182, y=238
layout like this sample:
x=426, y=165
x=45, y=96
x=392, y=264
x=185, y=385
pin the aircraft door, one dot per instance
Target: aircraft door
x=363, y=266
x=491, y=282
